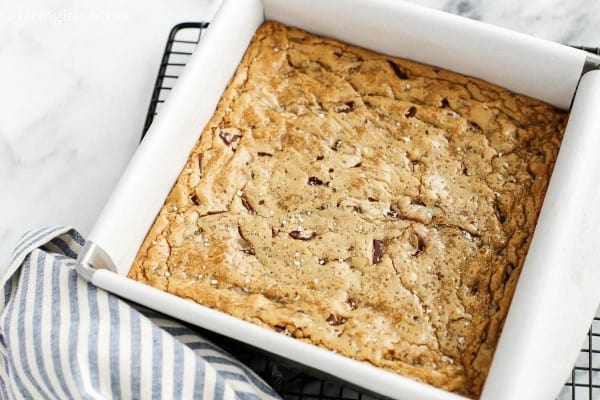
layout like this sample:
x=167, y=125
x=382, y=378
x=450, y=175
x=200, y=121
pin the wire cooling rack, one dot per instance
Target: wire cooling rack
x=294, y=382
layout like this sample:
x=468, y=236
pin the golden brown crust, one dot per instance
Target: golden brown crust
x=367, y=204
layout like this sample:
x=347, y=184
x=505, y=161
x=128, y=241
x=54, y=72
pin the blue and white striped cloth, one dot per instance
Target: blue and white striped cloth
x=61, y=337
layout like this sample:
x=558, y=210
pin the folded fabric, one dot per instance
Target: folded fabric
x=61, y=337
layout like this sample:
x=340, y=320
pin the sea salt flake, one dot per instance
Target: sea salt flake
x=239, y=193
x=214, y=281
x=167, y=274
x=461, y=340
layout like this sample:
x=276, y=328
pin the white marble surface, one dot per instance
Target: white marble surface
x=78, y=77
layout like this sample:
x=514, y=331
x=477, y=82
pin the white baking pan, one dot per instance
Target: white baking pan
x=559, y=288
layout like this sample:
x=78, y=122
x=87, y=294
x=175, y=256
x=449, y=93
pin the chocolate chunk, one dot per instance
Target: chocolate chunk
x=314, y=181
x=417, y=202
x=330, y=170
x=392, y=213
x=377, y=251
x=195, y=199
x=261, y=202
x=412, y=111
x=200, y=155
x=319, y=158
x=499, y=214
x=444, y=103
x=263, y=154
x=357, y=165
x=248, y=250
x=274, y=232
x=228, y=138
x=372, y=199
x=400, y=72
x=334, y=320
x=337, y=145
x=302, y=235
x=351, y=304
x=246, y=205
x=420, y=245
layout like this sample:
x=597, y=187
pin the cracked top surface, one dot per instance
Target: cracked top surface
x=367, y=204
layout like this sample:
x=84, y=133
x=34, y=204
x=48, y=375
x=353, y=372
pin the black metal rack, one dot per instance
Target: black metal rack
x=292, y=381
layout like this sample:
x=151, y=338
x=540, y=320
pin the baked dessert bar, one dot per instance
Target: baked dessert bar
x=370, y=205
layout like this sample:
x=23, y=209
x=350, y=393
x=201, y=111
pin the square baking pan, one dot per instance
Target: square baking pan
x=557, y=291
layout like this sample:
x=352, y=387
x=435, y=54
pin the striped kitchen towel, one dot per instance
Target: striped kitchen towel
x=61, y=337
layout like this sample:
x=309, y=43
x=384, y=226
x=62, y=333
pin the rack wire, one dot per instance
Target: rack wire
x=294, y=382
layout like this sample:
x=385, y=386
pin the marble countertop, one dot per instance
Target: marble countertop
x=78, y=77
